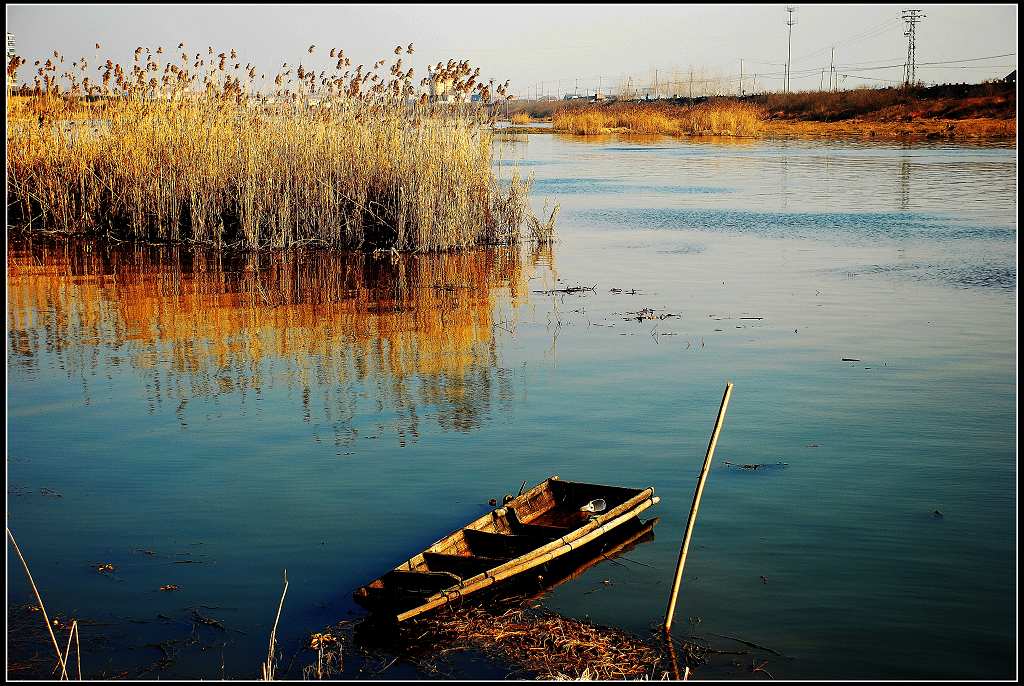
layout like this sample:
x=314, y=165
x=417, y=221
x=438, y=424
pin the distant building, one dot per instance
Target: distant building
x=441, y=90
x=1009, y=78
x=592, y=97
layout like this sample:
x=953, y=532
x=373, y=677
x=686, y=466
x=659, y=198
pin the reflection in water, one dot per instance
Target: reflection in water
x=632, y=140
x=405, y=331
x=905, y=185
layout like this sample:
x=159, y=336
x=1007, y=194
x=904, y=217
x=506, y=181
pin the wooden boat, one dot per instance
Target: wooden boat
x=540, y=525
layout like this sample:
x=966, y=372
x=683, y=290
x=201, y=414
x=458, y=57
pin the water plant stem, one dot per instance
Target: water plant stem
x=268, y=666
x=42, y=608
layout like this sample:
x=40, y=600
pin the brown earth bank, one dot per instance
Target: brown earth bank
x=952, y=111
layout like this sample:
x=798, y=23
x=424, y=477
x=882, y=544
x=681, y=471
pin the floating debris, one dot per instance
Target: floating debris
x=648, y=313
x=170, y=587
x=104, y=567
x=851, y=359
x=569, y=291
x=754, y=466
x=208, y=621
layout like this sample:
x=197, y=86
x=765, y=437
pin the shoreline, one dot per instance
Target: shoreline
x=951, y=130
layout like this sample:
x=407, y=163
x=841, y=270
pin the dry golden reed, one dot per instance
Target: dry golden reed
x=196, y=149
x=711, y=118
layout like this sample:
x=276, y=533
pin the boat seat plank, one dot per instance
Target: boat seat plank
x=464, y=566
x=490, y=544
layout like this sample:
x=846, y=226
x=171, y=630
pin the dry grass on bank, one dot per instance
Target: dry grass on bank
x=948, y=102
x=959, y=111
x=711, y=118
x=548, y=645
x=521, y=118
x=190, y=149
x=929, y=129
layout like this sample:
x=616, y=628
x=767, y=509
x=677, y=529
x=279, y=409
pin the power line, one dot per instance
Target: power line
x=684, y=83
x=871, y=32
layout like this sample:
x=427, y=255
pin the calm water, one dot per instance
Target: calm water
x=208, y=422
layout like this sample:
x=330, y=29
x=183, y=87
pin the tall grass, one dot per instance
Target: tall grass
x=196, y=150
x=710, y=118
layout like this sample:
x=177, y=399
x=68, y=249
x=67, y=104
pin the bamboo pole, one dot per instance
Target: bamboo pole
x=692, y=519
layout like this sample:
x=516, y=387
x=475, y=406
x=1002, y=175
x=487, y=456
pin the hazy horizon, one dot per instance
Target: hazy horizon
x=552, y=49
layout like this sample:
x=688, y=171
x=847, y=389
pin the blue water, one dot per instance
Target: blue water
x=210, y=423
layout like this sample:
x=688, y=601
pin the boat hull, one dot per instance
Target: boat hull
x=543, y=524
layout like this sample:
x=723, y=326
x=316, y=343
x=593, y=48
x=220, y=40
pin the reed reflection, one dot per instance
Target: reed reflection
x=355, y=334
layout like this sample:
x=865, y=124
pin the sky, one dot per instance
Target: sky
x=556, y=49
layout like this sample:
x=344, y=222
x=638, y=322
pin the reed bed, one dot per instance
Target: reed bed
x=197, y=149
x=521, y=118
x=717, y=117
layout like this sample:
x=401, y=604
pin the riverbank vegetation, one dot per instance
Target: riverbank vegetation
x=711, y=118
x=195, y=149
x=986, y=110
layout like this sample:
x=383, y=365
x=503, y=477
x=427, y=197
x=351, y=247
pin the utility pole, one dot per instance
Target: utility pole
x=789, y=48
x=831, y=68
x=911, y=17
x=741, y=77
x=691, y=83
x=655, y=84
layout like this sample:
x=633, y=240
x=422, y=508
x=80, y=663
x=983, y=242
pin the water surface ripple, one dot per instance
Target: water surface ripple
x=207, y=422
